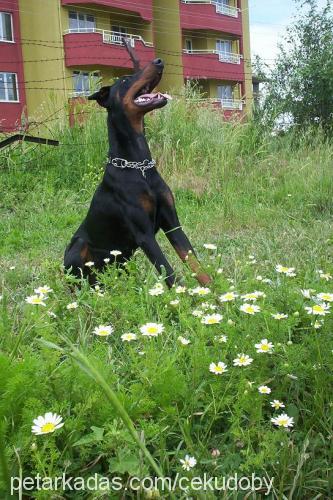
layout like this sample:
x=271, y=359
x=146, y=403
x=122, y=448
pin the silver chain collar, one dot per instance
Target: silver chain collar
x=137, y=165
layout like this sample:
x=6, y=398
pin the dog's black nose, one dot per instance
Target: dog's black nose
x=158, y=62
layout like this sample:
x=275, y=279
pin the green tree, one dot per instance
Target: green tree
x=300, y=86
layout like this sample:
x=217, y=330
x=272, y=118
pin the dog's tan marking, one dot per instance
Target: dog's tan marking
x=147, y=202
x=194, y=264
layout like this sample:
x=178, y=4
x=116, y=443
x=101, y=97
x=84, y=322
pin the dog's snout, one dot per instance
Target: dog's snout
x=158, y=62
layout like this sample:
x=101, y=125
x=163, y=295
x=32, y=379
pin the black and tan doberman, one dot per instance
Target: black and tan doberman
x=132, y=202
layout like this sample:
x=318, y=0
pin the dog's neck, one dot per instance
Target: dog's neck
x=126, y=143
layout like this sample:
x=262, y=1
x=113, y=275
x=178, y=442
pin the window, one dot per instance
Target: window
x=119, y=29
x=223, y=2
x=224, y=92
x=117, y=34
x=224, y=46
x=84, y=82
x=6, y=27
x=81, y=23
x=188, y=45
x=8, y=87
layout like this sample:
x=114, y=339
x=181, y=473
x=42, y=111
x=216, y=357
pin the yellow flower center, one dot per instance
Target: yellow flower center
x=152, y=329
x=242, y=359
x=48, y=427
x=211, y=321
x=219, y=369
x=264, y=347
x=283, y=421
x=284, y=269
x=103, y=332
x=318, y=308
x=250, y=309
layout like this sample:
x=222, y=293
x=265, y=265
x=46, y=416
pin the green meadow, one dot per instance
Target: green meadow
x=233, y=379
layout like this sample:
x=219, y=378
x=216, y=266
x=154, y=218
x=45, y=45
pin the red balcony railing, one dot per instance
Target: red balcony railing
x=142, y=7
x=104, y=48
x=210, y=64
x=211, y=16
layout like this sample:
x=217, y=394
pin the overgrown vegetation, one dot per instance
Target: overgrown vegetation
x=237, y=187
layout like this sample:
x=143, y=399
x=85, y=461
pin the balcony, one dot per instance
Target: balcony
x=225, y=10
x=95, y=47
x=231, y=104
x=201, y=14
x=144, y=8
x=203, y=64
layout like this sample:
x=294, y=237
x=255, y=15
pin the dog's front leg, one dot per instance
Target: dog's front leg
x=154, y=253
x=180, y=242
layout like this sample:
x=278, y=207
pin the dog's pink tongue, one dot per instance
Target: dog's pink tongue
x=157, y=94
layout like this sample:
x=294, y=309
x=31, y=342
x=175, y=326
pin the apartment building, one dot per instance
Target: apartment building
x=54, y=51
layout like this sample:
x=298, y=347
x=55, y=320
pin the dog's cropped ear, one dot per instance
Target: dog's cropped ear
x=101, y=96
x=132, y=54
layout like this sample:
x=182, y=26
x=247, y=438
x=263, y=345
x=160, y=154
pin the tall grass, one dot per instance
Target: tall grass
x=237, y=186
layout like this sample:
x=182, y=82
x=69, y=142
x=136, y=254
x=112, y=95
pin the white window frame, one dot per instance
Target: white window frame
x=220, y=42
x=6, y=88
x=2, y=40
x=78, y=29
x=190, y=42
x=229, y=86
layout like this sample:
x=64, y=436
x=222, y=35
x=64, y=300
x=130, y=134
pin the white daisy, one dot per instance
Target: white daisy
x=249, y=309
x=218, y=368
x=128, y=337
x=264, y=346
x=180, y=289
x=72, y=305
x=183, y=340
x=107, y=260
x=103, y=330
x=151, y=329
x=210, y=246
x=156, y=290
x=276, y=404
x=199, y=290
x=279, y=316
x=263, y=389
x=36, y=300
x=253, y=296
x=46, y=424
x=197, y=313
x=188, y=462
x=222, y=339
x=90, y=263
x=115, y=253
x=306, y=293
x=43, y=290
x=228, y=297
x=212, y=319
x=174, y=303
x=287, y=271
x=206, y=306
x=283, y=420
x=242, y=360
x=325, y=276
x=325, y=297
x=318, y=309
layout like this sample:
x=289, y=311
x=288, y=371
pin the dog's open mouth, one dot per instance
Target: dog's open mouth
x=152, y=98
x=145, y=97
